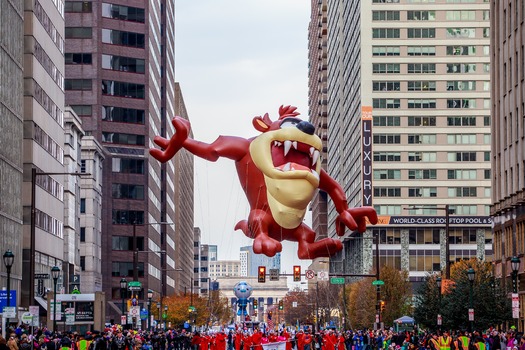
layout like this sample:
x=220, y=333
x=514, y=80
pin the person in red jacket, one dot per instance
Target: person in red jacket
x=237, y=341
x=195, y=341
x=220, y=340
x=248, y=342
x=256, y=339
x=299, y=338
x=341, y=341
x=287, y=337
x=204, y=342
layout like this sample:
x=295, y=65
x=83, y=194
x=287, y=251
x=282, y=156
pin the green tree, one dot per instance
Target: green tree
x=427, y=302
x=304, y=310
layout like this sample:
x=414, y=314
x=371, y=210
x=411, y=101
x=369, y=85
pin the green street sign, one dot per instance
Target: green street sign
x=378, y=283
x=164, y=315
x=337, y=280
x=134, y=285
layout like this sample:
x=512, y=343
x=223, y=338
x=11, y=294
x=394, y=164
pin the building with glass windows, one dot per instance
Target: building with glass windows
x=120, y=79
x=250, y=262
x=408, y=128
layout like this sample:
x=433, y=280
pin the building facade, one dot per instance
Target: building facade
x=250, y=261
x=224, y=268
x=409, y=130
x=508, y=159
x=120, y=68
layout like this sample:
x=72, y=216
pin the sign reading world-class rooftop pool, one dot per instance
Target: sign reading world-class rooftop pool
x=433, y=220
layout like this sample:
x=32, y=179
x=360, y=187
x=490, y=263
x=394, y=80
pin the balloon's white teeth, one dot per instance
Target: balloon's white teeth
x=277, y=143
x=314, y=173
x=315, y=157
x=294, y=144
x=312, y=151
x=287, y=146
x=287, y=167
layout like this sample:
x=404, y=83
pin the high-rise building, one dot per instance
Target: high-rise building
x=120, y=80
x=224, y=268
x=11, y=154
x=508, y=160
x=409, y=129
x=250, y=262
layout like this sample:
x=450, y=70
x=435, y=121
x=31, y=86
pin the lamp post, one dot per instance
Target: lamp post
x=165, y=316
x=55, y=274
x=150, y=296
x=438, y=284
x=471, y=275
x=515, y=266
x=159, y=303
x=123, y=289
x=9, y=259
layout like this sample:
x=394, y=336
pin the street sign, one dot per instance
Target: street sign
x=70, y=316
x=123, y=319
x=75, y=289
x=322, y=275
x=58, y=312
x=134, y=285
x=41, y=276
x=9, y=312
x=515, y=305
x=27, y=318
x=309, y=274
x=274, y=274
x=294, y=303
x=75, y=279
x=439, y=320
x=143, y=314
x=337, y=280
x=378, y=283
x=40, y=290
x=471, y=314
x=33, y=310
x=134, y=311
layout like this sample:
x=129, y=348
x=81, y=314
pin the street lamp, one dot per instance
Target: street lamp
x=165, y=315
x=438, y=284
x=9, y=259
x=123, y=289
x=515, y=266
x=471, y=275
x=55, y=274
x=150, y=296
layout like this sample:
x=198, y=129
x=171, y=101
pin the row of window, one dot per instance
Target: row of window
x=425, y=174
x=109, y=36
x=384, y=209
x=120, y=12
x=431, y=157
x=113, y=114
x=426, y=1
x=426, y=236
x=428, y=85
x=429, y=15
x=422, y=103
x=428, y=192
x=430, y=139
x=427, y=33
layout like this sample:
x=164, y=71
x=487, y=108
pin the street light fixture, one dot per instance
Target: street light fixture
x=55, y=274
x=438, y=284
x=515, y=266
x=471, y=275
x=9, y=259
x=123, y=289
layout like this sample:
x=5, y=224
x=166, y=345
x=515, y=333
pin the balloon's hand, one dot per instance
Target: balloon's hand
x=174, y=144
x=355, y=219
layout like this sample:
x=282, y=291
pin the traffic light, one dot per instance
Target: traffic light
x=262, y=274
x=281, y=305
x=382, y=305
x=297, y=273
x=255, y=304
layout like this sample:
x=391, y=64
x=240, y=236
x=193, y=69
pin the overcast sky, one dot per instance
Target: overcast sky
x=236, y=59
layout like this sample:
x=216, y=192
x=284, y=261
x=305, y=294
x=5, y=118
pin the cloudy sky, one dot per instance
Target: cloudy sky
x=236, y=59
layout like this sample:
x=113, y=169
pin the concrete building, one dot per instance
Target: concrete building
x=409, y=125
x=224, y=268
x=11, y=153
x=507, y=111
x=203, y=277
x=120, y=80
x=250, y=262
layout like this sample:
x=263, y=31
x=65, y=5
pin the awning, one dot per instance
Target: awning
x=42, y=302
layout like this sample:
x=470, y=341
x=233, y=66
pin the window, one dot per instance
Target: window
x=462, y=192
x=82, y=110
x=387, y=174
x=454, y=68
x=82, y=205
x=386, y=68
x=421, y=15
x=388, y=209
x=386, y=121
x=387, y=192
x=384, y=1
x=117, y=37
x=78, y=58
x=78, y=6
x=461, y=139
x=461, y=121
x=78, y=33
x=486, y=174
x=124, y=64
x=124, y=139
x=387, y=138
x=82, y=234
x=83, y=166
x=385, y=50
x=386, y=85
x=422, y=139
x=422, y=192
x=421, y=68
x=421, y=33
x=486, y=156
x=384, y=33
x=126, y=243
x=461, y=33
x=425, y=174
x=127, y=191
x=421, y=121
x=461, y=85
x=125, y=269
x=124, y=13
x=461, y=15
x=421, y=86
x=387, y=157
x=461, y=174
x=421, y=50
x=128, y=165
x=486, y=32
x=122, y=89
x=421, y=103
x=78, y=84
x=82, y=263
x=422, y=156
x=461, y=103
x=127, y=217
x=388, y=103
x=465, y=50
x=123, y=115
x=486, y=121
x=461, y=156
x=385, y=15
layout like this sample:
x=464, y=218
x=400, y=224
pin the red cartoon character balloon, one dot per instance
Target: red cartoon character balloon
x=279, y=171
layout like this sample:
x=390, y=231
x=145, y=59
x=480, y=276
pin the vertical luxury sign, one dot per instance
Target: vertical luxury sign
x=366, y=154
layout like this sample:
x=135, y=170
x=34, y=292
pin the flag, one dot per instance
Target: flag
x=270, y=321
